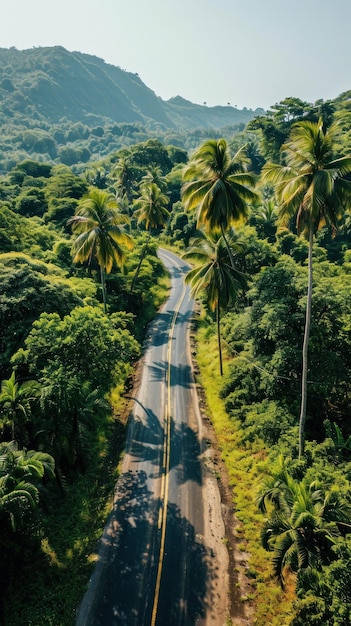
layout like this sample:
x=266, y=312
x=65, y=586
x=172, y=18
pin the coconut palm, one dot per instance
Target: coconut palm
x=219, y=187
x=20, y=474
x=101, y=234
x=124, y=173
x=304, y=521
x=124, y=206
x=96, y=177
x=214, y=275
x=15, y=406
x=313, y=186
x=70, y=414
x=265, y=219
x=151, y=209
x=154, y=175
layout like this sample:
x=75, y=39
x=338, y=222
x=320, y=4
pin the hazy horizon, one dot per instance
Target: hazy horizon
x=250, y=54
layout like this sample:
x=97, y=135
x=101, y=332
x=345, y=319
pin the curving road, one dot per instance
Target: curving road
x=155, y=567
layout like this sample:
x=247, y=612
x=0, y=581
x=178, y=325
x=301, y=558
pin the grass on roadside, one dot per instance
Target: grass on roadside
x=245, y=466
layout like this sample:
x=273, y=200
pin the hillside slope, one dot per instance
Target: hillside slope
x=52, y=83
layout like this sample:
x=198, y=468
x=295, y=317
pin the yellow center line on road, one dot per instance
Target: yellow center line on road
x=164, y=466
x=162, y=517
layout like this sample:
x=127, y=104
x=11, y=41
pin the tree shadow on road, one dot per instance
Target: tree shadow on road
x=145, y=437
x=122, y=588
x=178, y=374
x=146, y=443
x=159, y=331
x=185, y=453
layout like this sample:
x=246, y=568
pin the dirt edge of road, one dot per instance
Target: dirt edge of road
x=240, y=610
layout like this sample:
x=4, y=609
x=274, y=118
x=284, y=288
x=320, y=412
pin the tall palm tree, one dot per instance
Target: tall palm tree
x=101, y=234
x=124, y=206
x=313, y=186
x=151, y=209
x=303, y=523
x=124, y=174
x=214, y=275
x=219, y=187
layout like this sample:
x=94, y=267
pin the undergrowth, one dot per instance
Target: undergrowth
x=53, y=576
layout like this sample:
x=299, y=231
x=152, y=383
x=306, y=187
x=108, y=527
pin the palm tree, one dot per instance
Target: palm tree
x=214, y=275
x=218, y=187
x=124, y=208
x=304, y=521
x=101, y=233
x=71, y=411
x=96, y=176
x=20, y=474
x=154, y=175
x=265, y=219
x=125, y=178
x=313, y=186
x=15, y=405
x=151, y=209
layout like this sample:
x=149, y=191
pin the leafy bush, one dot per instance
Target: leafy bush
x=267, y=421
x=31, y=202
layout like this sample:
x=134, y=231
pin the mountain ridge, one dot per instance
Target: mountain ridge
x=53, y=83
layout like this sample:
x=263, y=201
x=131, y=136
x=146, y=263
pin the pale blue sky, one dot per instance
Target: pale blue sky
x=250, y=53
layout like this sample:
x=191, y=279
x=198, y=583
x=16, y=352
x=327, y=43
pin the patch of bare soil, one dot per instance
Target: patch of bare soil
x=219, y=492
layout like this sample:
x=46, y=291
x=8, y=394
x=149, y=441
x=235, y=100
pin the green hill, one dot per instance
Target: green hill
x=52, y=83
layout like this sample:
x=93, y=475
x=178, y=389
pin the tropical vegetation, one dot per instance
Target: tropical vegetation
x=314, y=186
x=254, y=209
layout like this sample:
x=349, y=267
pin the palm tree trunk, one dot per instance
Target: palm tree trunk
x=140, y=262
x=305, y=349
x=103, y=287
x=219, y=339
x=228, y=248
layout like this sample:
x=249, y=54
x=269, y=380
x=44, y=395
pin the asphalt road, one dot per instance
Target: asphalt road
x=154, y=568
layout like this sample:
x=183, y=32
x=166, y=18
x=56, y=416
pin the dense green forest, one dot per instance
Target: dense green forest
x=255, y=211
